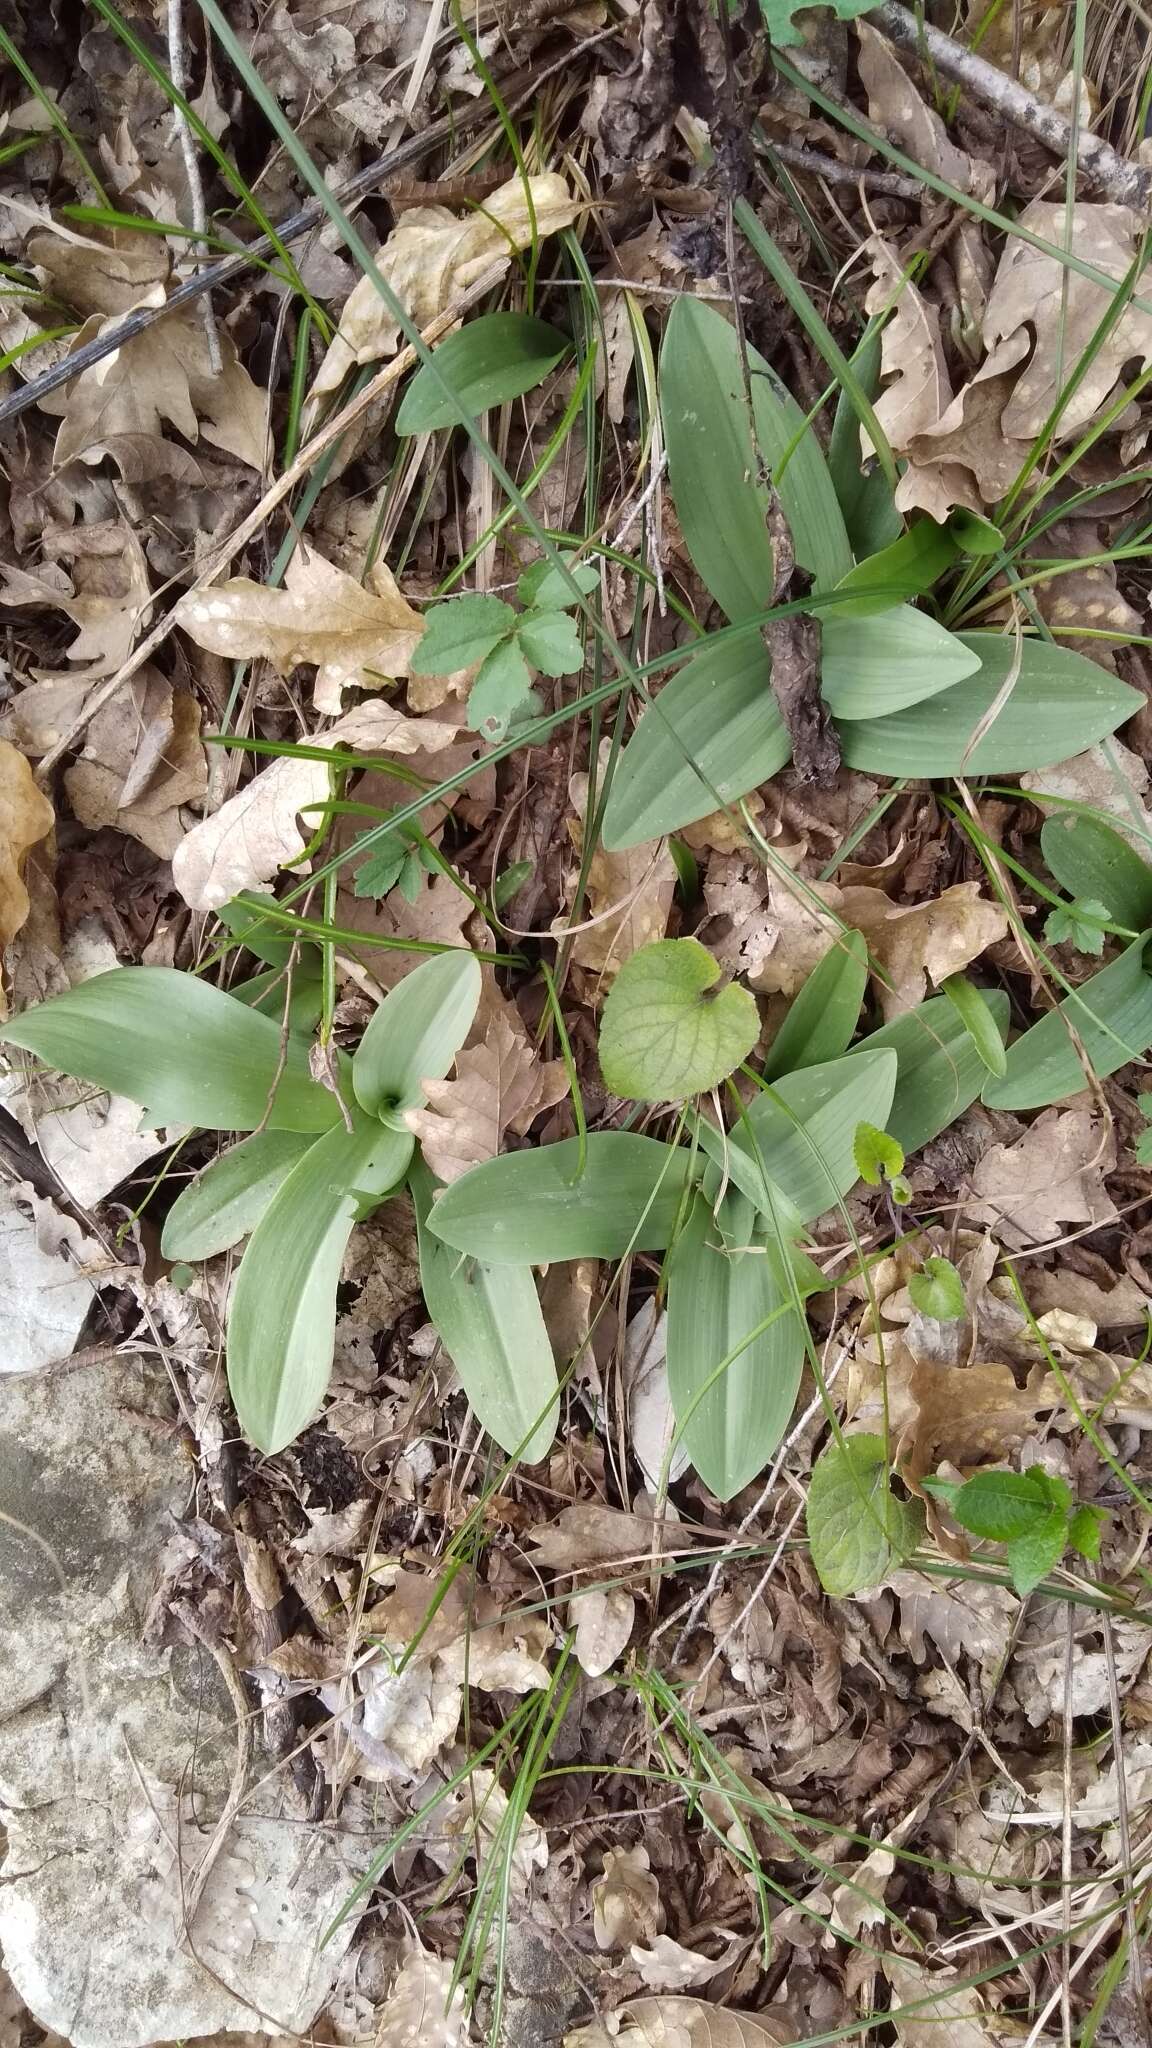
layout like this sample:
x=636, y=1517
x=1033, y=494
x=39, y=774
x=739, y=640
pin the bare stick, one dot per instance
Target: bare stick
x=198, y=218
x=1127, y=183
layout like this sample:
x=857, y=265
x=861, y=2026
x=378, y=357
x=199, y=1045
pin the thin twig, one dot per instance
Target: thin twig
x=198, y=216
x=818, y=165
x=1127, y=183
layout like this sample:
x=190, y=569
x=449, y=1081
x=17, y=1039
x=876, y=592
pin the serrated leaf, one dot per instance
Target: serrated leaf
x=882, y=662
x=530, y=1208
x=490, y=1324
x=1006, y=1505
x=382, y=868
x=502, y=688
x=188, y=1053
x=1060, y=704
x=1080, y=924
x=494, y=358
x=968, y=1002
x=878, y=1157
x=550, y=640
x=663, y=1034
x=821, y=1020
x=938, y=1072
x=542, y=586
x=1112, y=1012
x=795, y=1140
x=1032, y=1557
x=227, y=1198
x=938, y=1291
x=460, y=631
x=1089, y=859
x=415, y=1034
x=731, y=1421
x=282, y=1319
x=1084, y=1532
x=857, y=1529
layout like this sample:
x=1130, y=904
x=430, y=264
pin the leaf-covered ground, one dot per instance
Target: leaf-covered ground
x=842, y=1740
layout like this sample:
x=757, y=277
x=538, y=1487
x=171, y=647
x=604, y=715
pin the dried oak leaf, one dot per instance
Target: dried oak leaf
x=626, y=1900
x=946, y=2008
x=244, y=843
x=1052, y=1176
x=499, y=1085
x=26, y=816
x=107, y=596
x=685, y=2023
x=422, y=2010
x=142, y=761
x=105, y=276
x=895, y=106
x=352, y=634
x=432, y=256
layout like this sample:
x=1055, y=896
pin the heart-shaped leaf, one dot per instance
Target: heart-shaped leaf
x=665, y=1032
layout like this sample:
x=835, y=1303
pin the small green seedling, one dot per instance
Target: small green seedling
x=1032, y=1513
x=508, y=645
x=880, y=1162
x=938, y=1291
x=1082, y=923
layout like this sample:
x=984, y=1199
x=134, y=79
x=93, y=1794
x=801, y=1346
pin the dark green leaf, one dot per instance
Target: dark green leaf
x=227, y=1199
x=497, y=357
x=938, y=1291
x=821, y=1021
x=550, y=640
x=1005, y=1505
x=666, y=1031
x=459, y=632
x=186, y=1051
x=530, y=1208
x=383, y=867
x=502, y=688
x=1032, y=1557
x=1060, y=704
x=1089, y=859
x=905, y=568
x=970, y=1006
x=1111, y=1011
x=1084, y=1532
x=938, y=1070
x=857, y=1529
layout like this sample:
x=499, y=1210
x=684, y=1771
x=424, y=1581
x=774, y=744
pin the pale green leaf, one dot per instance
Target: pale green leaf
x=1060, y=704
x=227, y=1198
x=550, y=640
x=1112, y=1013
x=416, y=1034
x=938, y=1291
x=502, y=688
x=460, y=631
x=876, y=665
x=494, y=358
x=796, y=1138
x=905, y=568
x=718, y=1298
x=664, y=1033
x=878, y=1157
x=530, y=1208
x=820, y=1023
x=188, y=1053
x=968, y=1002
x=1032, y=1557
x=491, y=1326
x=938, y=1069
x=282, y=1318
x=1090, y=859
x=857, y=1529
x=543, y=586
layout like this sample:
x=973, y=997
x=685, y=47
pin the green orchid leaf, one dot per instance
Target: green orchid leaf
x=282, y=1320
x=824, y=1015
x=531, y=1208
x=460, y=631
x=227, y=1198
x=416, y=1034
x=858, y=1531
x=863, y=492
x=494, y=358
x=305, y=994
x=795, y=1140
x=188, y=1053
x=719, y=1298
x=905, y=568
x=879, y=664
x=665, y=1032
x=490, y=1324
x=1091, y=860
x=1111, y=1012
x=968, y=1002
x=938, y=1069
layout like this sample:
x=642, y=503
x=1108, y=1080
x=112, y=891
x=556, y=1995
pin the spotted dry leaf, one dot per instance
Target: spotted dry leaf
x=499, y=1085
x=353, y=635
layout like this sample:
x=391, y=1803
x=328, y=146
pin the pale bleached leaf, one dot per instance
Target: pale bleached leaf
x=685, y=2023
x=626, y=1900
x=422, y=2010
x=499, y=1085
x=25, y=817
x=603, y=1619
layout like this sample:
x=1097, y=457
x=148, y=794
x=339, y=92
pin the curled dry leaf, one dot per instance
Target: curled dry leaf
x=644, y=1371
x=628, y=899
x=26, y=816
x=917, y=390
x=1051, y=1177
x=588, y=1534
x=685, y=2023
x=942, y=2012
x=107, y=598
x=603, y=1618
x=142, y=760
x=666, y=1965
x=422, y=2010
x=353, y=635
x=244, y=843
x=499, y=1085
x=895, y=106
x=626, y=1900
x=432, y=256
x=970, y=1414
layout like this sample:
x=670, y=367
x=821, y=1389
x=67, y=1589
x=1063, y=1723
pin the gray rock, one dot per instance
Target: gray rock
x=116, y=1757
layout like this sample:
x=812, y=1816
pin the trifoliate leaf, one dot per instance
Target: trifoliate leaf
x=459, y=632
x=878, y=1157
x=543, y=587
x=1081, y=924
x=1008, y=1505
x=550, y=641
x=1032, y=1557
x=1084, y=1531
x=779, y=17
x=938, y=1291
x=382, y=868
x=1144, y=1148
x=667, y=1032
x=857, y=1529
x=503, y=685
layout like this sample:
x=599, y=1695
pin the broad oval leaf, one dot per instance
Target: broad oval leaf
x=416, y=1034
x=490, y=1324
x=821, y=1020
x=857, y=1529
x=731, y=1421
x=716, y=715
x=271, y=993
x=1112, y=1014
x=797, y=1137
x=865, y=496
x=905, y=568
x=529, y=1208
x=1092, y=862
x=492, y=359
x=663, y=1034
x=227, y=1199
x=713, y=465
x=188, y=1053
x=282, y=1320
x=938, y=1069
x=877, y=665
x=1059, y=704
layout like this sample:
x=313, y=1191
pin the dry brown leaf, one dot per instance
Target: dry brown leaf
x=1052, y=1176
x=666, y=1965
x=354, y=636
x=245, y=842
x=626, y=1900
x=26, y=816
x=603, y=1618
x=644, y=1374
x=1088, y=596
x=970, y=437
x=107, y=597
x=587, y=1534
x=142, y=760
x=422, y=2010
x=942, y=2013
x=970, y=1414
x=895, y=106
x=629, y=896
x=431, y=257
x=686, y=2023
x=1107, y=778
x=499, y=1085
x=109, y=275
x=163, y=374
x=918, y=945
